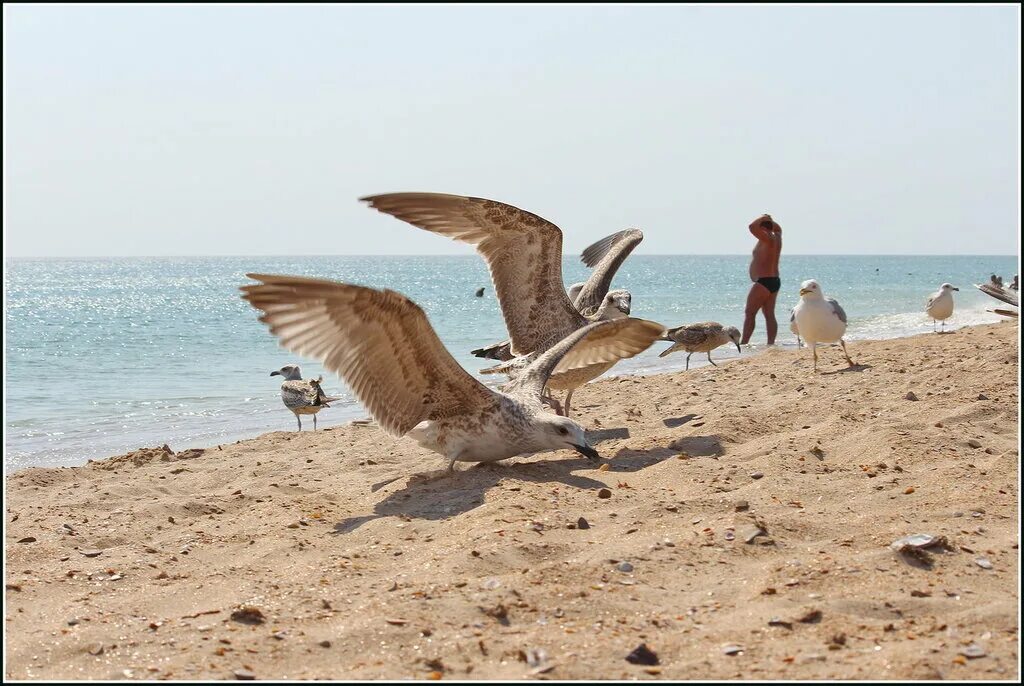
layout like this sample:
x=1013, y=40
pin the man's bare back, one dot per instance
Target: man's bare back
x=764, y=272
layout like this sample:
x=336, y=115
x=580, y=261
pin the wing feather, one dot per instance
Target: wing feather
x=605, y=256
x=598, y=343
x=522, y=251
x=837, y=309
x=1007, y=296
x=378, y=341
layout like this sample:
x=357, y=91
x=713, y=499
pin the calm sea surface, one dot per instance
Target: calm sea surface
x=107, y=355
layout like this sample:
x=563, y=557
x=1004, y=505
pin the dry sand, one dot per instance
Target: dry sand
x=359, y=568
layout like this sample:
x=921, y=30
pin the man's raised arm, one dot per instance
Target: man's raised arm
x=762, y=227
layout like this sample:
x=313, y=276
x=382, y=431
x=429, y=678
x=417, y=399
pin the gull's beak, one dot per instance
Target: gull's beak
x=804, y=291
x=624, y=309
x=738, y=348
x=955, y=288
x=586, y=450
x=275, y=373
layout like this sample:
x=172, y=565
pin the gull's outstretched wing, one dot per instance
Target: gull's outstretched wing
x=598, y=343
x=605, y=256
x=1008, y=296
x=378, y=341
x=522, y=251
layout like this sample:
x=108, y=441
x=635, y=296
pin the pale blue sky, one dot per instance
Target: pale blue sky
x=253, y=129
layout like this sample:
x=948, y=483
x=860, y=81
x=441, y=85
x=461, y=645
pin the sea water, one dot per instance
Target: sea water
x=107, y=355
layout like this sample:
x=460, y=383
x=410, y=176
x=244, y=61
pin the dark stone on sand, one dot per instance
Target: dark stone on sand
x=642, y=655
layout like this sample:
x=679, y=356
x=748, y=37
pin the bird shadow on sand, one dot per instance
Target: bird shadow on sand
x=629, y=460
x=847, y=370
x=674, y=422
x=439, y=495
x=698, y=446
x=595, y=436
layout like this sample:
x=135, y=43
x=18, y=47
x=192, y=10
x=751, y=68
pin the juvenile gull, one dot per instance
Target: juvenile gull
x=385, y=349
x=701, y=338
x=940, y=305
x=605, y=257
x=820, y=319
x=591, y=297
x=524, y=255
x=302, y=396
x=616, y=305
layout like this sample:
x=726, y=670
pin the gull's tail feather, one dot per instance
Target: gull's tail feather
x=670, y=349
x=496, y=351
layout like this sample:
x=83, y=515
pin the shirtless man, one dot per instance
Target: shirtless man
x=764, y=272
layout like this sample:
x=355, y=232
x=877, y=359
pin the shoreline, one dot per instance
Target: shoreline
x=355, y=411
x=746, y=535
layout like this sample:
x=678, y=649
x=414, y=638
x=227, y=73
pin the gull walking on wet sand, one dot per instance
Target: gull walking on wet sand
x=524, y=254
x=385, y=349
x=302, y=396
x=820, y=319
x=940, y=305
x=701, y=338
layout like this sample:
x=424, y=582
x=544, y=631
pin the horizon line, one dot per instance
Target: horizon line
x=474, y=255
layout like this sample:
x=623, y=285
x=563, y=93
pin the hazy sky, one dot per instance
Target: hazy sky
x=254, y=129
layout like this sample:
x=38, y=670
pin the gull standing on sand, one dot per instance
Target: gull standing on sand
x=591, y=297
x=940, y=305
x=385, y=349
x=701, y=338
x=302, y=396
x=820, y=319
x=524, y=254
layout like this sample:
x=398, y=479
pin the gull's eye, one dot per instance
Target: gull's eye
x=562, y=430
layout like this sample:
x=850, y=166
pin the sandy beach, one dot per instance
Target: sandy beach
x=744, y=532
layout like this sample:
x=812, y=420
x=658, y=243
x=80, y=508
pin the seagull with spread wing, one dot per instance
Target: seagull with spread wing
x=385, y=349
x=591, y=297
x=524, y=254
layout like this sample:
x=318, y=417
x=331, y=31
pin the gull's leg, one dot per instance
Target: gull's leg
x=814, y=351
x=451, y=465
x=688, y=362
x=568, y=397
x=848, y=360
x=314, y=422
x=299, y=421
x=710, y=360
